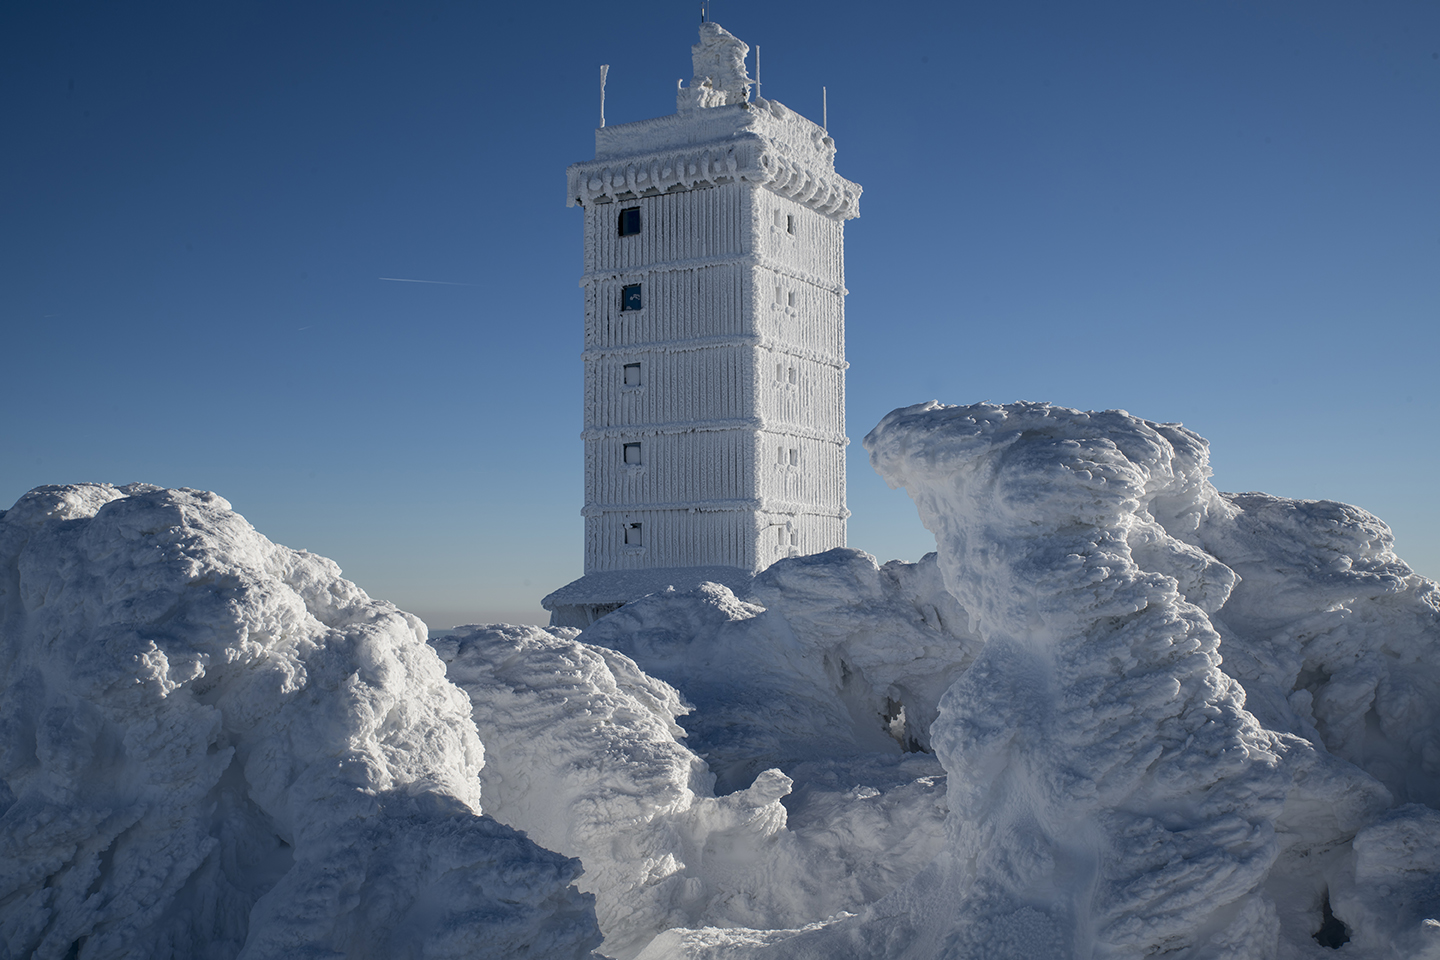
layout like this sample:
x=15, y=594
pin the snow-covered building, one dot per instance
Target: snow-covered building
x=714, y=340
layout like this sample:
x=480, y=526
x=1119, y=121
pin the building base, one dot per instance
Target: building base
x=582, y=602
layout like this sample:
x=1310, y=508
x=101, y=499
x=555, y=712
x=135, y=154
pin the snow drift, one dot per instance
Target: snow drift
x=584, y=755
x=212, y=746
x=1116, y=714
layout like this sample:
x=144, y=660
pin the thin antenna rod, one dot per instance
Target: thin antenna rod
x=703, y=5
x=824, y=110
x=604, y=69
x=757, y=71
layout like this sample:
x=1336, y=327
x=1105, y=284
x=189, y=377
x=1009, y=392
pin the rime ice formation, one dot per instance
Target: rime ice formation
x=720, y=77
x=1117, y=714
x=714, y=339
x=1117, y=787
x=213, y=746
x=584, y=757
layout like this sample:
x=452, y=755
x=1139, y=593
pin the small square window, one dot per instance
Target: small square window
x=630, y=222
x=780, y=455
x=793, y=377
x=794, y=538
x=632, y=374
x=779, y=371
x=632, y=453
x=790, y=298
x=779, y=295
x=632, y=535
x=630, y=297
x=780, y=540
x=794, y=455
x=789, y=223
x=779, y=219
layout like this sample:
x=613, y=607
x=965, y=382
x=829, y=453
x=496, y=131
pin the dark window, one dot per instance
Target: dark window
x=632, y=374
x=789, y=222
x=630, y=222
x=632, y=535
x=632, y=453
x=630, y=298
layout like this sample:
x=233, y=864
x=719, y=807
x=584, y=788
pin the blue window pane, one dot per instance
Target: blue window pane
x=630, y=222
x=630, y=297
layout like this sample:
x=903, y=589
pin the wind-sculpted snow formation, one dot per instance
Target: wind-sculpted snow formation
x=584, y=756
x=1110, y=792
x=212, y=746
x=1117, y=714
x=1173, y=721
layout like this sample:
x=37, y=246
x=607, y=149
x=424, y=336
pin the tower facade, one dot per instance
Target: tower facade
x=714, y=284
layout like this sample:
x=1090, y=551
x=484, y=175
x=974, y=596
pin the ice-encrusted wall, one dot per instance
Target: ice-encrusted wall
x=715, y=333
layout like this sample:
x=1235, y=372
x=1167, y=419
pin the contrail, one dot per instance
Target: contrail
x=448, y=283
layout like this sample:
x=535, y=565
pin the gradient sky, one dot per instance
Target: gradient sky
x=1220, y=213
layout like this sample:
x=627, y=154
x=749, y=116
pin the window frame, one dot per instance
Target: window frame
x=625, y=297
x=621, y=222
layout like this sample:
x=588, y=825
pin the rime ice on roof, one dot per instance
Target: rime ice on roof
x=714, y=340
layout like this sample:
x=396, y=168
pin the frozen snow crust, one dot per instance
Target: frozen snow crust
x=1171, y=721
x=212, y=746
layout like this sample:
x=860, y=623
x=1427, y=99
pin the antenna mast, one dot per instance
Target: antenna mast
x=824, y=110
x=604, y=69
x=757, y=71
x=704, y=5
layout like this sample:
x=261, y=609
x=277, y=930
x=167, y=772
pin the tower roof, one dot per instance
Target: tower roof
x=718, y=134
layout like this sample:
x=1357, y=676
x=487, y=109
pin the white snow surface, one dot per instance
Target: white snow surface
x=1116, y=714
x=212, y=746
x=1172, y=721
x=584, y=756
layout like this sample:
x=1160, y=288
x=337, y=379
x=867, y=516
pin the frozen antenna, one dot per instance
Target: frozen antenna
x=824, y=111
x=604, y=69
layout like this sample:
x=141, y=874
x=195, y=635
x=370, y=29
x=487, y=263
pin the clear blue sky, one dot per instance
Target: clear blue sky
x=1221, y=213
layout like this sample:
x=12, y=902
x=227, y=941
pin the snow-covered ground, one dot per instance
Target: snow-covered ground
x=1116, y=714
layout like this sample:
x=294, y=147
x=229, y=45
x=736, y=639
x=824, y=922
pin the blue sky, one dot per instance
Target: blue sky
x=1221, y=213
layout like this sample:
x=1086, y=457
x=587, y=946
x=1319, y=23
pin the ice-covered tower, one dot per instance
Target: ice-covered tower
x=714, y=340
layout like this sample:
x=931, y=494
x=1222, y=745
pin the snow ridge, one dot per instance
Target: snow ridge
x=216, y=747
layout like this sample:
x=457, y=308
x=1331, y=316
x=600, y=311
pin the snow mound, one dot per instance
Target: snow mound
x=1117, y=714
x=584, y=757
x=213, y=746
